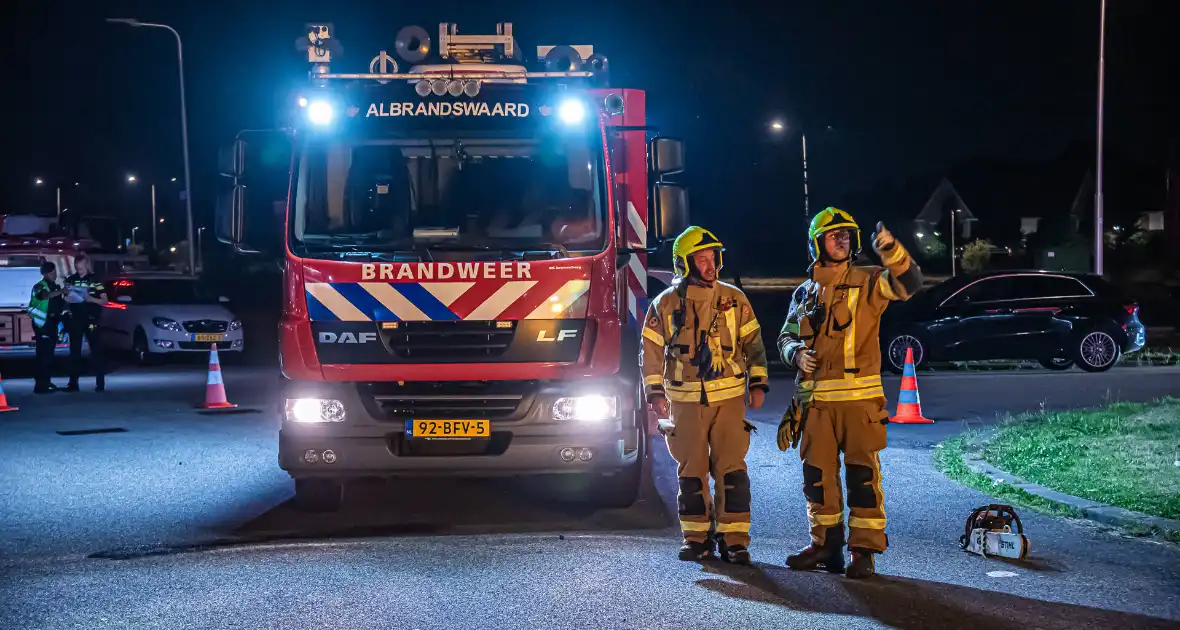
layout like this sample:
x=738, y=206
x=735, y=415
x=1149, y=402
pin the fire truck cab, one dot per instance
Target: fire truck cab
x=464, y=246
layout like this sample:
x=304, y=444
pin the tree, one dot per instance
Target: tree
x=975, y=255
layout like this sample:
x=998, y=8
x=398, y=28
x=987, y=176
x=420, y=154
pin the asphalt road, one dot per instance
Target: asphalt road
x=183, y=520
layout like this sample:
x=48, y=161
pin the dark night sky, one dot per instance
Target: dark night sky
x=906, y=87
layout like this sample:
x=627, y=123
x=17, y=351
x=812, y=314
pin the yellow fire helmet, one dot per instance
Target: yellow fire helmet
x=691, y=241
x=827, y=220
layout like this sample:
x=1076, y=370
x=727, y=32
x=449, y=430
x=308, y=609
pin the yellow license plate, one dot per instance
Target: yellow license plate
x=208, y=337
x=454, y=429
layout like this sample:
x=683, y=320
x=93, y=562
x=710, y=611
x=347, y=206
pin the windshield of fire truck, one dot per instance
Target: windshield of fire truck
x=505, y=195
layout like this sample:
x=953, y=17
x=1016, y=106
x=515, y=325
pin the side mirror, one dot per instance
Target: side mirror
x=230, y=218
x=231, y=160
x=123, y=298
x=666, y=156
x=671, y=209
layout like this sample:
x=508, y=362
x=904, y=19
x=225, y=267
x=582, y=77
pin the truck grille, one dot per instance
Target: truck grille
x=447, y=400
x=448, y=341
x=205, y=326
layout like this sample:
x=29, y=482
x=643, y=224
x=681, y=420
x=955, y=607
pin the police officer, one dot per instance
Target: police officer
x=45, y=304
x=702, y=354
x=87, y=297
x=831, y=338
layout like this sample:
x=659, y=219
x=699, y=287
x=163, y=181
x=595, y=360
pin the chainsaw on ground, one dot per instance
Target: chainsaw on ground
x=995, y=530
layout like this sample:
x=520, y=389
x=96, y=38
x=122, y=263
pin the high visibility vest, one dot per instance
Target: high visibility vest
x=39, y=309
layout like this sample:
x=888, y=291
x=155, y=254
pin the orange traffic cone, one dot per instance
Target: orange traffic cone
x=909, y=406
x=4, y=399
x=214, y=387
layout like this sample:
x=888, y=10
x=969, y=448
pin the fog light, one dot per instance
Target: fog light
x=592, y=408
x=567, y=454
x=163, y=343
x=311, y=456
x=329, y=457
x=585, y=454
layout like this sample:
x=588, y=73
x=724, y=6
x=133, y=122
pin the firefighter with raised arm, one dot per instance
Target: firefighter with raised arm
x=702, y=357
x=831, y=338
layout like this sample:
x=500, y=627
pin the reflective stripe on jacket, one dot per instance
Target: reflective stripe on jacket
x=837, y=313
x=718, y=329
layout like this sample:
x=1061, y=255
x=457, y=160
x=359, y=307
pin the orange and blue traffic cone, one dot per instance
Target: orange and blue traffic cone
x=214, y=387
x=909, y=405
x=4, y=406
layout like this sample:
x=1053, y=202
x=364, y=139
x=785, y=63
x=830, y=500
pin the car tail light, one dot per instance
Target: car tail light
x=1132, y=309
x=116, y=305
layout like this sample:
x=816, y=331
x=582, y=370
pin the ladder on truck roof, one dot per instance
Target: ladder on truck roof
x=469, y=57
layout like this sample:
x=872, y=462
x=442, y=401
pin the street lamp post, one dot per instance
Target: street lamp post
x=1098, y=179
x=39, y=182
x=131, y=179
x=133, y=231
x=188, y=189
x=778, y=127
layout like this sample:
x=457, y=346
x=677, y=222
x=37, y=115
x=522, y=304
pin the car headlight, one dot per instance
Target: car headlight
x=313, y=410
x=236, y=324
x=166, y=324
x=592, y=408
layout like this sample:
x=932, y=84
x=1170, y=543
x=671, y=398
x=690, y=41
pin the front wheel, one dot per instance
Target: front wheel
x=140, y=352
x=318, y=495
x=618, y=490
x=895, y=352
x=1096, y=351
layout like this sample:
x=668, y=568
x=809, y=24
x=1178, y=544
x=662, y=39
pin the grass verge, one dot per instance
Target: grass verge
x=949, y=459
x=1123, y=454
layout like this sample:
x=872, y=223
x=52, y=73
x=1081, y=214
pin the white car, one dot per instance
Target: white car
x=159, y=313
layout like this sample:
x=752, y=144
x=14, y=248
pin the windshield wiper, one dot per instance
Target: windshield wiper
x=547, y=247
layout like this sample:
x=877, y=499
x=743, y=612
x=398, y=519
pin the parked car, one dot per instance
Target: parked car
x=152, y=314
x=1057, y=319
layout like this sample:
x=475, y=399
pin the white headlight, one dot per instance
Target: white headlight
x=320, y=112
x=572, y=111
x=313, y=410
x=592, y=408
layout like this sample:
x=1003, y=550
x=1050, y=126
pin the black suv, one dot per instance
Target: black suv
x=1058, y=319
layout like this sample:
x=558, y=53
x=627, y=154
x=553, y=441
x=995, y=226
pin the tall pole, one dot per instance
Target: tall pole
x=200, y=256
x=1098, y=179
x=953, y=211
x=154, y=246
x=188, y=184
x=806, y=200
x=188, y=188
x=59, y=207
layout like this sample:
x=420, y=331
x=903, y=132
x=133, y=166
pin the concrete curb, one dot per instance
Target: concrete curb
x=1092, y=510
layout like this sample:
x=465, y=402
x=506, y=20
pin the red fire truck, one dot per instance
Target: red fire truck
x=464, y=245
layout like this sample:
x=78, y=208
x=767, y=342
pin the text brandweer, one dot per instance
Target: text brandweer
x=446, y=271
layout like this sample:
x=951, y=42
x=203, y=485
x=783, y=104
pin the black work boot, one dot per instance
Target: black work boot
x=696, y=551
x=862, y=566
x=735, y=554
x=829, y=557
x=72, y=386
x=732, y=554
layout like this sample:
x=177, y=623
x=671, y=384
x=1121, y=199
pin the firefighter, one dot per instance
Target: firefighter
x=89, y=295
x=830, y=338
x=702, y=355
x=45, y=305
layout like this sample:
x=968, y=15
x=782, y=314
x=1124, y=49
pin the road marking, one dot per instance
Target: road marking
x=1000, y=574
